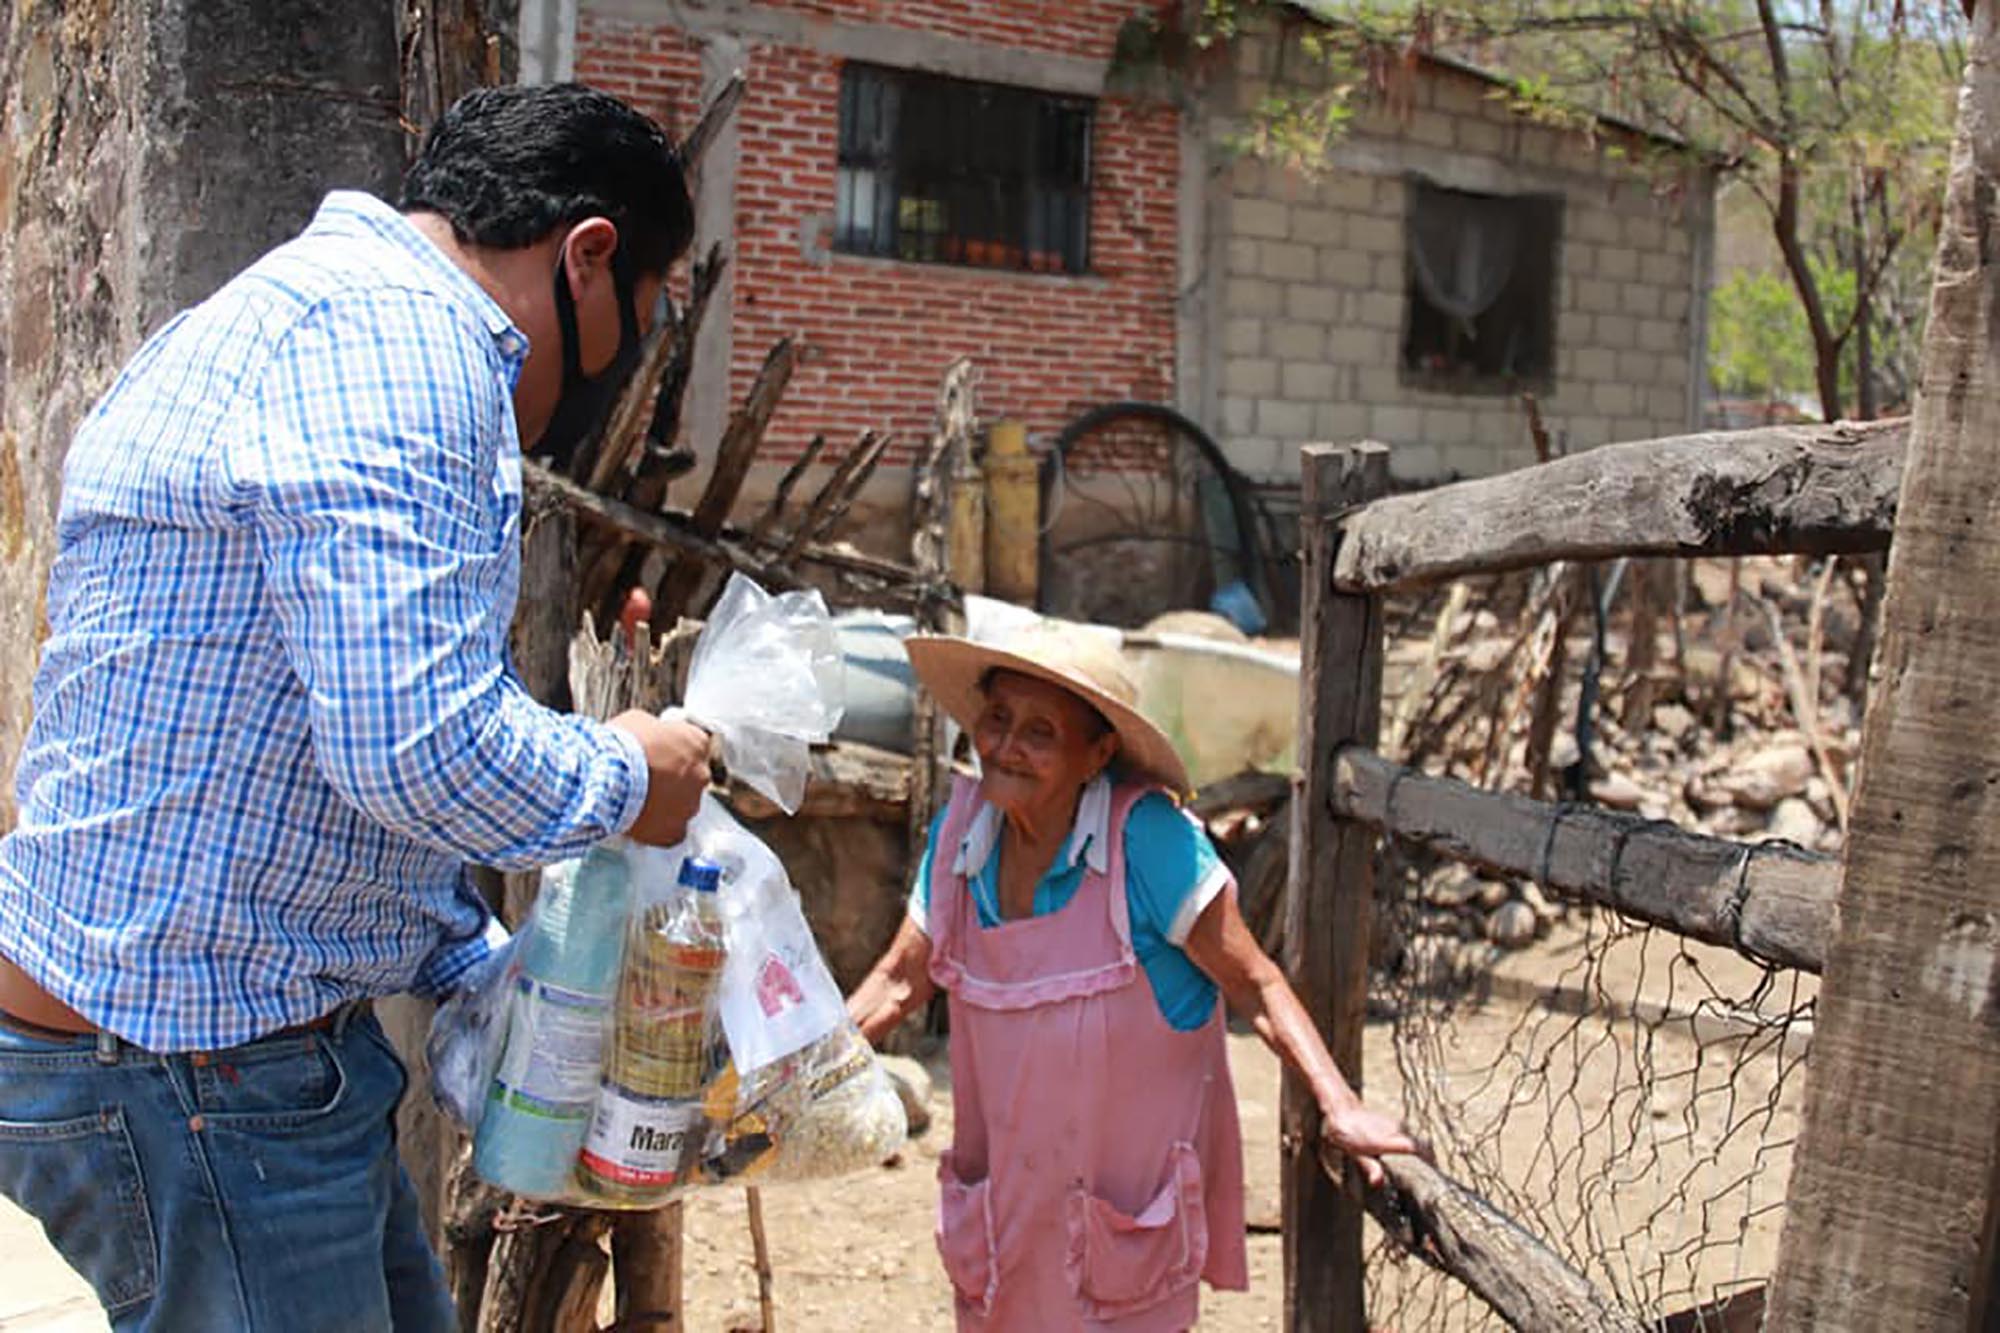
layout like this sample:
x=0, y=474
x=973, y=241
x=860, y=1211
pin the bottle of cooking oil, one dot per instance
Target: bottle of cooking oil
x=649, y=1124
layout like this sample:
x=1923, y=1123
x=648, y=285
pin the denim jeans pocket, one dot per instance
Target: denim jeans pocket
x=280, y=1084
x=81, y=1178
x=369, y=1030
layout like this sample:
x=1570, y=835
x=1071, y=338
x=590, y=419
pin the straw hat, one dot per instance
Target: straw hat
x=1087, y=665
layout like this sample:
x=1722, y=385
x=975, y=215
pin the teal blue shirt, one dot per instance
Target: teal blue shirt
x=1172, y=872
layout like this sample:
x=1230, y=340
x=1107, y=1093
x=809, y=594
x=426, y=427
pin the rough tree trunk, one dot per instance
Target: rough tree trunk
x=1895, y=1176
x=128, y=189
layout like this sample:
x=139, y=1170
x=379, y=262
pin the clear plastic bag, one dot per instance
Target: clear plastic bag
x=824, y=1110
x=766, y=677
x=797, y=1093
x=466, y=1037
x=648, y=1126
x=776, y=994
x=664, y=1019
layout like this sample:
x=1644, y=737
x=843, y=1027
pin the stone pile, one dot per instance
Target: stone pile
x=1721, y=749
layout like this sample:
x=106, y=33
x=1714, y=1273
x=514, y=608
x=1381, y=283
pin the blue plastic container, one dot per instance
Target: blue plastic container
x=540, y=1102
x=1237, y=604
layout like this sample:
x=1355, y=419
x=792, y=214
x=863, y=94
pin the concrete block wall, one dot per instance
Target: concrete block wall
x=1311, y=312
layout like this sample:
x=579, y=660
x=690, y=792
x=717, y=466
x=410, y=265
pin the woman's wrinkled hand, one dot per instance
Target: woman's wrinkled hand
x=1364, y=1134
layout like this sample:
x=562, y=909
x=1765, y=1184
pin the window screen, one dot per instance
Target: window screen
x=1480, y=288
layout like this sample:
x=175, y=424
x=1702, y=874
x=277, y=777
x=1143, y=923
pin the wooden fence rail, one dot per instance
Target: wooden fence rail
x=1809, y=490
x=1770, y=902
x=1460, y=1234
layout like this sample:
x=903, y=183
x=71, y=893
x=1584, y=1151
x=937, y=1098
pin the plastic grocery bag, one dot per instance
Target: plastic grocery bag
x=766, y=677
x=466, y=1036
x=664, y=1019
x=798, y=1093
x=776, y=994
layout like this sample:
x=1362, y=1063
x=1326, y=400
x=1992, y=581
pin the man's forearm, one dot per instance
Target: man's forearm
x=503, y=782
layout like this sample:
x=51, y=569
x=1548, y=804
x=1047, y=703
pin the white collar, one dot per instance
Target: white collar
x=1089, y=836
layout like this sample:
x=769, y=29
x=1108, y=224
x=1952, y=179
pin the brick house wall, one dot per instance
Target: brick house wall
x=1269, y=307
x=880, y=331
x=1307, y=332
x=653, y=66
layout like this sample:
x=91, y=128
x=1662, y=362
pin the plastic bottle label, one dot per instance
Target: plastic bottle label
x=555, y=1051
x=640, y=1141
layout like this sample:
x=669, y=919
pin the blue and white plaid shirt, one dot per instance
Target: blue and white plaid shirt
x=275, y=714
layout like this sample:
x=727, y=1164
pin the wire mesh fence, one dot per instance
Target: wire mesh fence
x=1629, y=1096
x=1636, y=1110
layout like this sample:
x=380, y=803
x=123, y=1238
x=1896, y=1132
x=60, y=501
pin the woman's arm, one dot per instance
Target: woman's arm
x=1222, y=946
x=899, y=984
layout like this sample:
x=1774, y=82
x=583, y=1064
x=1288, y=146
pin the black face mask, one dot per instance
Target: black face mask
x=571, y=440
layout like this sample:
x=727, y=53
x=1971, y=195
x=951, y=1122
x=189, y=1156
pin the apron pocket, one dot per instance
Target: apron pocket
x=965, y=1237
x=1119, y=1263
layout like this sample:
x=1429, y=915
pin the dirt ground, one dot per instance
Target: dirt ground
x=857, y=1253
x=848, y=1254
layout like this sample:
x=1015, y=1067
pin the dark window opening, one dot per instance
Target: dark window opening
x=1480, y=283
x=951, y=171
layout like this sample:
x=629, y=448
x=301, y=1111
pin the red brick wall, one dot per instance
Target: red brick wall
x=1084, y=28
x=657, y=70
x=881, y=332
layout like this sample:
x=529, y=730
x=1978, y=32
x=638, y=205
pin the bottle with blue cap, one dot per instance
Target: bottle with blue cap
x=649, y=1125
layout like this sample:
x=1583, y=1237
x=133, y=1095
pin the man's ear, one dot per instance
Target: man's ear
x=588, y=250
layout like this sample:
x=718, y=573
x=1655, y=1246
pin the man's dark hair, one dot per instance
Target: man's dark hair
x=509, y=165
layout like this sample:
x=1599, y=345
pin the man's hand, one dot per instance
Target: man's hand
x=677, y=774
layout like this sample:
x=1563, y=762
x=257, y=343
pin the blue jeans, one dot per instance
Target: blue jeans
x=250, y=1189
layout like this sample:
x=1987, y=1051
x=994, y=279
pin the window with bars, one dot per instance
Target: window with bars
x=952, y=171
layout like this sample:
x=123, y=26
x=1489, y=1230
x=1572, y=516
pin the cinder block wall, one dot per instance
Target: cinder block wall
x=1310, y=319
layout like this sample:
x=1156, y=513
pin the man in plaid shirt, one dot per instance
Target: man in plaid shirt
x=275, y=717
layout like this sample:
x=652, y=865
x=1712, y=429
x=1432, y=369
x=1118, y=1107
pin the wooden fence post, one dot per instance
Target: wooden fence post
x=1329, y=897
x=1894, y=1180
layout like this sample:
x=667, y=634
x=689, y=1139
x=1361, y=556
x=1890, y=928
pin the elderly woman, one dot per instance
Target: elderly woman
x=1083, y=927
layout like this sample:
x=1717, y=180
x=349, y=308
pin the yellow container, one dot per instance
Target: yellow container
x=1013, y=514
x=968, y=529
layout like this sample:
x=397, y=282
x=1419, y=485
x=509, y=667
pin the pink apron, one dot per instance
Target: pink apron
x=1096, y=1175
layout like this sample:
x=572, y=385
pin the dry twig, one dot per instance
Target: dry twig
x=1806, y=708
x=761, y=1252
